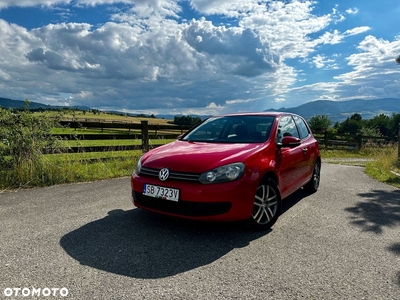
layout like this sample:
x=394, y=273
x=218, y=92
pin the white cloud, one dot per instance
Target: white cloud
x=30, y=3
x=357, y=30
x=352, y=11
x=321, y=61
x=373, y=73
x=230, y=8
x=148, y=57
x=235, y=51
x=140, y=4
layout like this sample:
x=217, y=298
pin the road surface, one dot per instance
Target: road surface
x=87, y=241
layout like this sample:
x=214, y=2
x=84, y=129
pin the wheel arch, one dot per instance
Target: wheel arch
x=318, y=159
x=272, y=175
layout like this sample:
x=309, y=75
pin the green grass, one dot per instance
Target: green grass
x=80, y=115
x=62, y=168
x=369, y=152
x=62, y=130
x=381, y=163
x=55, y=169
x=82, y=156
x=342, y=154
x=385, y=166
x=87, y=143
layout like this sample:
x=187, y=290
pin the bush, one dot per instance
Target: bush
x=319, y=123
x=24, y=137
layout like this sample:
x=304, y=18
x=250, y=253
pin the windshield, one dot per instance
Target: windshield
x=232, y=129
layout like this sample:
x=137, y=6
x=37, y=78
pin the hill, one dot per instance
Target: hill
x=18, y=104
x=339, y=111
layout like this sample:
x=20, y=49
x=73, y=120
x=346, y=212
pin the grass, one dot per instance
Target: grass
x=55, y=169
x=51, y=169
x=385, y=167
x=79, y=115
x=380, y=163
x=62, y=130
x=87, y=143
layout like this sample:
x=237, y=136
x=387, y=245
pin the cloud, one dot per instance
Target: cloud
x=352, y=11
x=373, y=73
x=356, y=30
x=154, y=4
x=148, y=56
x=239, y=52
x=321, y=61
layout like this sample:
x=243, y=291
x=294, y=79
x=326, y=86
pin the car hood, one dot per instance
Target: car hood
x=198, y=157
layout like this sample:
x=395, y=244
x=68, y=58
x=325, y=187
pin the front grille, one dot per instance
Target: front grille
x=172, y=175
x=184, y=208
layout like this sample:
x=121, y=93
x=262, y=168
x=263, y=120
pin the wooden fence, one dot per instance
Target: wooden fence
x=337, y=141
x=145, y=132
x=131, y=131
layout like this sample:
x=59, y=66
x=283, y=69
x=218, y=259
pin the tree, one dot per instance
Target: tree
x=319, y=122
x=398, y=59
x=186, y=120
x=356, y=117
x=382, y=123
x=394, y=124
x=350, y=126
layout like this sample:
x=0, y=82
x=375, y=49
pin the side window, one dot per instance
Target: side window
x=286, y=127
x=302, y=127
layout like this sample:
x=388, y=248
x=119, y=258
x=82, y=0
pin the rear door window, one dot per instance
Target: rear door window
x=303, y=129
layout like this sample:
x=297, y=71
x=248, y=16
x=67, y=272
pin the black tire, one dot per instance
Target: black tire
x=313, y=185
x=266, y=207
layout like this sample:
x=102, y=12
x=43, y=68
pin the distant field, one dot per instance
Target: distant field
x=109, y=117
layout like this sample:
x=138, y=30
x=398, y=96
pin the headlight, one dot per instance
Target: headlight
x=139, y=165
x=223, y=174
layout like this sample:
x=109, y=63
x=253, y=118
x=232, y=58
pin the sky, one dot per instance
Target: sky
x=198, y=56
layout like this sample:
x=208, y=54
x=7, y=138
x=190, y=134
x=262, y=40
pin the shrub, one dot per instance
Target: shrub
x=24, y=137
x=319, y=123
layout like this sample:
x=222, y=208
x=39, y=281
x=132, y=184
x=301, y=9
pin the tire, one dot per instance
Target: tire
x=266, y=207
x=313, y=185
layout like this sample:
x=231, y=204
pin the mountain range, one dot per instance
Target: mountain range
x=337, y=111
x=18, y=104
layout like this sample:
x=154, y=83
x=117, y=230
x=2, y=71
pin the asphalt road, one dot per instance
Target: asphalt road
x=341, y=243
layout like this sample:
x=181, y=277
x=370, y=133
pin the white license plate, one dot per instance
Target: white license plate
x=161, y=192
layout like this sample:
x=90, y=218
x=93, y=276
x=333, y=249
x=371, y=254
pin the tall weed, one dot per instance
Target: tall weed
x=385, y=167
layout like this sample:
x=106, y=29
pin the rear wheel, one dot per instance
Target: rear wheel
x=266, y=207
x=313, y=185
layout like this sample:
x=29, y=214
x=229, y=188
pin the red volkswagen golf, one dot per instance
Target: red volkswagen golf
x=229, y=168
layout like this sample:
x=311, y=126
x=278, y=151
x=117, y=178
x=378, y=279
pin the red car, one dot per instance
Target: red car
x=229, y=168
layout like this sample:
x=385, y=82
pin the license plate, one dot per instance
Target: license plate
x=161, y=192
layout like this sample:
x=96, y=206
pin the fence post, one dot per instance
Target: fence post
x=359, y=141
x=326, y=139
x=145, y=135
x=398, y=147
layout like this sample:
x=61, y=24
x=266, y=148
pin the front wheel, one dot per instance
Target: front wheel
x=266, y=207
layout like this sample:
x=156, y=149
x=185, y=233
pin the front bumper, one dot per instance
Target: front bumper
x=231, y=201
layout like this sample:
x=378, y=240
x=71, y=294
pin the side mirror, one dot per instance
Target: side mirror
x=290, y=141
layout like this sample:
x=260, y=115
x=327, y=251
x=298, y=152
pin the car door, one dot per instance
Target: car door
x=308, y=147
x=289, y=159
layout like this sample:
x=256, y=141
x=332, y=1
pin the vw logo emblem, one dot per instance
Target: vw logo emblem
x=164, y=174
